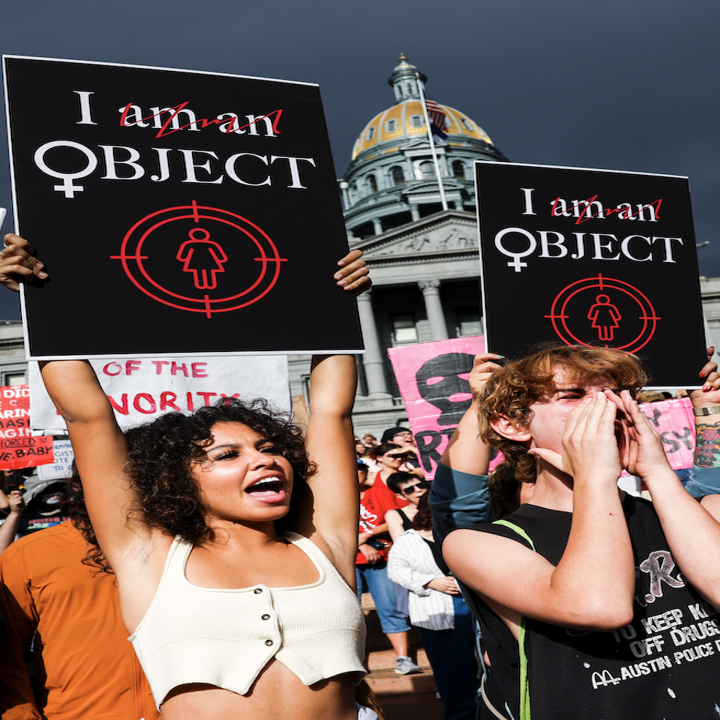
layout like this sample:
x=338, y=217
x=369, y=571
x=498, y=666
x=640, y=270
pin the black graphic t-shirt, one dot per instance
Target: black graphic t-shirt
x=664, y=665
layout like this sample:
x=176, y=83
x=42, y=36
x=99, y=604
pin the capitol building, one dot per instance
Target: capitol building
x=422, y=252
x=423, y=260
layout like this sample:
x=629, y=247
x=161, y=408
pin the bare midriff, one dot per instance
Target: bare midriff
x=278, y=694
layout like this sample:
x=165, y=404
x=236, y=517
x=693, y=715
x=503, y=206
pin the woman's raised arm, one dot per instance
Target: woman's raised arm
x=100, y=453
x=98, y=443
x=332, y=517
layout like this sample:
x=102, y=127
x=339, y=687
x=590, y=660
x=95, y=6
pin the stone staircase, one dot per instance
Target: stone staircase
x=402, y=697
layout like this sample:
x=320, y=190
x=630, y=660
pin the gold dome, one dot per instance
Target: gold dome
x=405, y=120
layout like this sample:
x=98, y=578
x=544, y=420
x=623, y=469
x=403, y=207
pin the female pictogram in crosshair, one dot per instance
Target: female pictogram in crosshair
x=603, y=310
x=200, y=259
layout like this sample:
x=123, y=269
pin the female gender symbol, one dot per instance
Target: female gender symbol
x=191, y=251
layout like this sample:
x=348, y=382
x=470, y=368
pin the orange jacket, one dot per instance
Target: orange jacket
x=86, y=667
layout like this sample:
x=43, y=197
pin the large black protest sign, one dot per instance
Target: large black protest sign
x=591, y=257
x=177, y=212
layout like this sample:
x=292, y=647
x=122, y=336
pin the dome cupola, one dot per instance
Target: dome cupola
x=391, y=178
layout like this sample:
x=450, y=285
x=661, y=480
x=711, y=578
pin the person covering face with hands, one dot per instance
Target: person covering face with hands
x=572, y=583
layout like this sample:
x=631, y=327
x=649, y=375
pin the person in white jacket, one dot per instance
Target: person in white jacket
x=436, y=610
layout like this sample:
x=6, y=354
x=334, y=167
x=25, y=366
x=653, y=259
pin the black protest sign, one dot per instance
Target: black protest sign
x=591, y=257
x=177, y=212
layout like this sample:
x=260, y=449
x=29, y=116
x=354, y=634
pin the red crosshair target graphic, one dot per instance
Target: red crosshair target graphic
x=572, y=314
x=200, y=259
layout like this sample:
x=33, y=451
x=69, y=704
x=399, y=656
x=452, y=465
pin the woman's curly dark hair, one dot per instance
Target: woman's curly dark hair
x=160, y=456
x=504, y=489
x=74, y=504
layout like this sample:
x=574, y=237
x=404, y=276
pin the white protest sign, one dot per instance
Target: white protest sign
x=62, y=467
x=140, y=390
x=3, y=211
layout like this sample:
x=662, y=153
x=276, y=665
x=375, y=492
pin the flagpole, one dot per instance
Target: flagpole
x=432, y=142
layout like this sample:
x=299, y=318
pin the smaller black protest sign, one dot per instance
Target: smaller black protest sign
x=177, y=212
x=591, y=257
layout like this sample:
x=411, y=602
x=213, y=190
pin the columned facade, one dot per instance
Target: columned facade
x=372, y=360
x=433, y=308
x=423, y=260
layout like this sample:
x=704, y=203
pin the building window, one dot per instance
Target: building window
x=416, y=121
x=397, y=174
x=468, y=322
x=370, y=133
x=391, y=126
x=467, y=124
x=404, y=330
x=365, y=230
x=372, y=183
x=14, y=378
x=427, y=171
x=458, y=169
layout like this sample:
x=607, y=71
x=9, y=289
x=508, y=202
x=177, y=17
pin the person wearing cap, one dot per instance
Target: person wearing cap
x=44, y=508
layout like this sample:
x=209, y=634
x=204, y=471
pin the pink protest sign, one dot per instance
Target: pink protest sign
x=433, y=382
x=675, y=422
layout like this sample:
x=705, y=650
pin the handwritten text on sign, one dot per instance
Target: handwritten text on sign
x=140, y=390
x=18, y=447
x=62, y=465
x=432, y=378
x=675, y=423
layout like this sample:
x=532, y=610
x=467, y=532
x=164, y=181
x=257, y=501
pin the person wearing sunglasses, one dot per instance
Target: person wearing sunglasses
x=410, y=488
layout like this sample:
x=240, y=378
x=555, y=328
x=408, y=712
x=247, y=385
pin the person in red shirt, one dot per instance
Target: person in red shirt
x=370, y=567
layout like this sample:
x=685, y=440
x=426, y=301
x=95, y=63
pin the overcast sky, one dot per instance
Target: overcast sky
x=629, y=85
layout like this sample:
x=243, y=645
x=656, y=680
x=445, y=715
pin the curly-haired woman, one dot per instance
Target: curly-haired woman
x=233, y=540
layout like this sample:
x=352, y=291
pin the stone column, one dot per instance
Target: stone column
x=433, y=307
x=377, y=226
x=415, y=212
x=372, y=360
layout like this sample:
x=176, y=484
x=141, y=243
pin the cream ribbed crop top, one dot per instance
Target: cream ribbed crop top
x=226, y=637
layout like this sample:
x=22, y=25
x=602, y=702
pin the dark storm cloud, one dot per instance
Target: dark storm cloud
x=624, y=85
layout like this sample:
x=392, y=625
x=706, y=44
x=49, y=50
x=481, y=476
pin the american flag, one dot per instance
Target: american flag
x=437, y=119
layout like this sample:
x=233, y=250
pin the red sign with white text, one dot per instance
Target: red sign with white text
x=19, y=448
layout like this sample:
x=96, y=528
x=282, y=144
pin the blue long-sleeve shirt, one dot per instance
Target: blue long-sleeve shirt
x=459, y=500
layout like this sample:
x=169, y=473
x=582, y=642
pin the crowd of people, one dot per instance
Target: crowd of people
x=233, y=549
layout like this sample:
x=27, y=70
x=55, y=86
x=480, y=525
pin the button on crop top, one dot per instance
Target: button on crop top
x=225, y=637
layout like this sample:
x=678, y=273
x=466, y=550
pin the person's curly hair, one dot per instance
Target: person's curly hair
x=511, y=391
x=504, y=489
x=74, y=504
x=160, y=457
